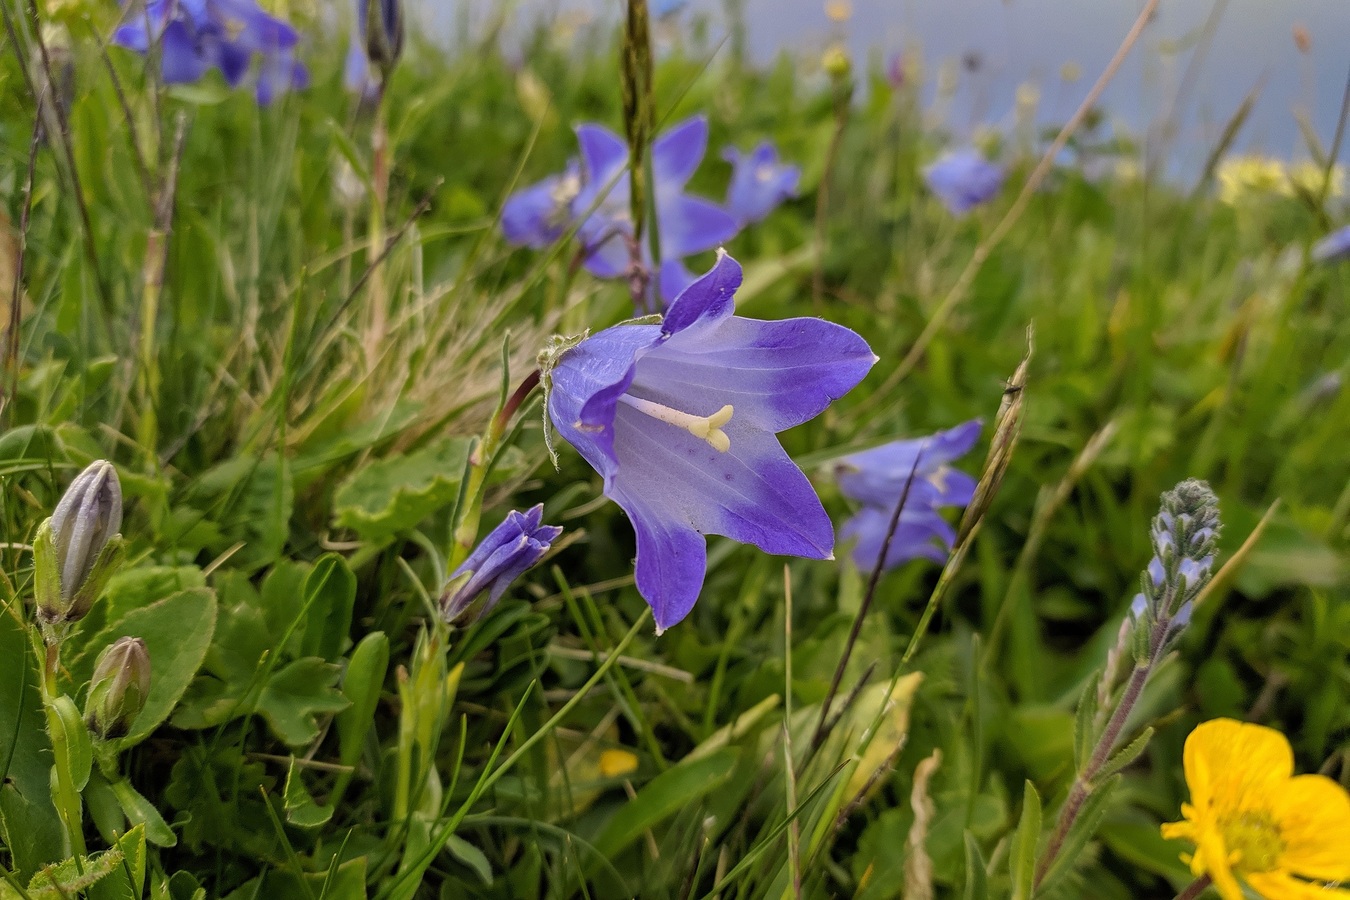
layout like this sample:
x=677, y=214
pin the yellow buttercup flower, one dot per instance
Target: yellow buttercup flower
x=1252, y=820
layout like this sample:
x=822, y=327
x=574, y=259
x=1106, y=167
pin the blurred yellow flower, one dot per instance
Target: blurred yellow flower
x=1240, y=177
x=1252, y=820
x=614, y=763
x=1308, y=177
x=839, y=10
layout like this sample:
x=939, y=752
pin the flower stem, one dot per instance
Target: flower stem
x=67, y=798
x=1195, y=888
x=1083, y=784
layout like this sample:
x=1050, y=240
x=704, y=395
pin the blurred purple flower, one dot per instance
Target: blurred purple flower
x=686, y=224
x=1333, y=247
x=877, y=478
x=680, y=418
x=963, y=179
x=540, y=214
x=380, y=49
x=759, y=182
x=520, y=541
x=664, y=9
x=895, y=71
x=198, y=35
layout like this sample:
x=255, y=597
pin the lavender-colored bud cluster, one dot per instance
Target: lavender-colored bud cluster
x=1185, y=534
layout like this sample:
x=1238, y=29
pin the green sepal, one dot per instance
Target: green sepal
x=47, y=576
x=110, y=559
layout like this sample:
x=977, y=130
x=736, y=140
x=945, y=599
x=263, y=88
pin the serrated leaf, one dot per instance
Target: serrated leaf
x=296, y=695
x=393, y=495
x=127, y=880
x=1125, y=755
x=1023, y=856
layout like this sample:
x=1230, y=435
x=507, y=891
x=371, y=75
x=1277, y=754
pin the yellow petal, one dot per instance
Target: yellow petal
x=1212, y=857
x=1232, y=766
x=1313, y=814
x=1283, y=886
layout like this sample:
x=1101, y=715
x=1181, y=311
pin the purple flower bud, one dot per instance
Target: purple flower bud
x=118, y=688
x=80, y=536
x=515, y=545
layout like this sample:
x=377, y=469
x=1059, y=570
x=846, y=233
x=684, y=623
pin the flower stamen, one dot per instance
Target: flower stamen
x=709, y=428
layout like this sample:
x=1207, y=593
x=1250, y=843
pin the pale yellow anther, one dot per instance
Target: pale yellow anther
x=709, y=428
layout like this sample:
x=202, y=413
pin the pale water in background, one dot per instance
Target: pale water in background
x=1013, y=42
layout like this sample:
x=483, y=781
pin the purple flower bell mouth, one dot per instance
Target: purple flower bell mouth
x=680, y=418
x=760, y=182
x=963, y=180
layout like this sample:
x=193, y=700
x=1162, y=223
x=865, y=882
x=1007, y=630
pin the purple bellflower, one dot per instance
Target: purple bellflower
x=680, y=419
x=877, y=477
x=686, y=224
x=1333, y=247
x=540, y=214
x=963, y=180
x=664, y=9
x=520, y=541
x=597, y=195
x=759, y=182
x=198, y=35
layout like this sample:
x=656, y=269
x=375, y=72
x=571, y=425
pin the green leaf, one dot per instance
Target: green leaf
x=127, y=881
x=361, y=685
x=294, y=696
x=1084, y=829
x=140, y=811
x=330, y=592
x=977, y=881
x=301, y=810
x=1084, y=736
x=28, y=820
x=471, y=856
x=1125, y=755
x=177, y=632
x=251, y=500
x=79, y=745
x=666, y=794
x=393, y=495
x=1023, y=855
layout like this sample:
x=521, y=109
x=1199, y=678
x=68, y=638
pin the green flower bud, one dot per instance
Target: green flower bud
x=77, y=550
x=118, y=689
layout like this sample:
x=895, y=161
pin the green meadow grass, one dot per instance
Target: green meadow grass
x=292, y=426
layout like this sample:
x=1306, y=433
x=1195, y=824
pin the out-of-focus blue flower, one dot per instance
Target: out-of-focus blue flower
x=963, y=179
x=520, y=541
x=664, y=9
x=369, y=49
x=680, y=419
x=759, y=182
x=686, y=224
x=198, y=35
x=877, y=478
x=540, y=214
x=1332, y=247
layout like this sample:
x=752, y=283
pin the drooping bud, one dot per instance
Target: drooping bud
x=77, y=550
x=376, y=45
x=118, y=689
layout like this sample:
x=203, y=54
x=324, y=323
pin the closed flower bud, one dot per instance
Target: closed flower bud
x=118, y=689
x=515, y=545
x=79, y=547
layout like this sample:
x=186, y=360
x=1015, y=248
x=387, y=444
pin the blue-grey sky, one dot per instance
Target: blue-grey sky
x=1019, y=41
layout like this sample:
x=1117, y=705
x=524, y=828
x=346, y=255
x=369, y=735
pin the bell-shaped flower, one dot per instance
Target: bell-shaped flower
x=963, y=179
x=759, y=182
x=877, y=478
x=376, y=44
x=520, y=541
x=540, y=214
x=195, y=36
x=686, y=224
x=680, y=418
